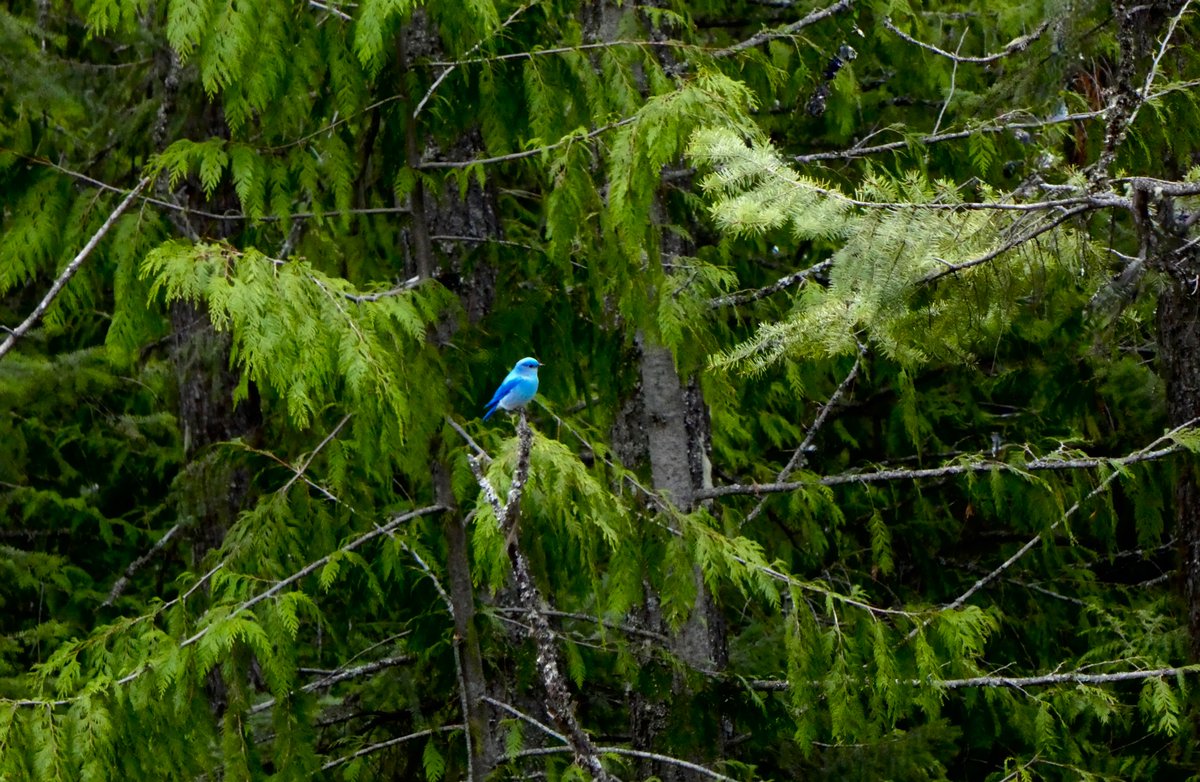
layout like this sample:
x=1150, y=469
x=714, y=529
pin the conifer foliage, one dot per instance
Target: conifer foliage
x=864, y=444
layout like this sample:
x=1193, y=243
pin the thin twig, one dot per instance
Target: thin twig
x=1032, y=233
x=983, y=581
x=431, y=164
x=458, y=665
x=1014, y=46
x=299, y=471
x=330, y=8
x=530, y=54
x=953, y=84
x=785, y=31
x=482, y=454
x=371, y=748
x=549, y=731
x=72, y=267
x=1162, y=50
x=451, y=66
x=317, y=564
x=1015, y=682
x=800, y=455
x=139, y=563
x=999, y=125
x=634, y=753
x=985, y=465
x=786, y=281
x=336, y=677
x=403, y=287
x=225, y=216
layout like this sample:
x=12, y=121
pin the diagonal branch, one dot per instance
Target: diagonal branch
x=983, y=581
x=1016, y=45
x=452, y=65
x=121, y=583
x=1032, y=233
x=303, y=467
x=785, y=31
x=786, y=281
x=372, y=748
x=317, y=564
x=69, y=272
x=339, y=676
x=800, y=455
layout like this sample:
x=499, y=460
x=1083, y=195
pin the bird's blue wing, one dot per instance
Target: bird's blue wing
x=504, y=388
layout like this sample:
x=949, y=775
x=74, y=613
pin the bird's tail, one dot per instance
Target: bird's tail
x=488, y=414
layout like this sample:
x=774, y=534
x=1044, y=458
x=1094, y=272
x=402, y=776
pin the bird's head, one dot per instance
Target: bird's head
x=528, y=366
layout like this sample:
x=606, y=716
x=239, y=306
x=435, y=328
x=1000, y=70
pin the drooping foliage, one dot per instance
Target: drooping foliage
x=247, y=530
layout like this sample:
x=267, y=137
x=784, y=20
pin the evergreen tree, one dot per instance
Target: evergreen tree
x=862, y=443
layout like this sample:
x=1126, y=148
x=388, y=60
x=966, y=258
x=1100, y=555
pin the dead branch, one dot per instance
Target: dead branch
x=69, y=272
x=1016, y=45
x=785, y=31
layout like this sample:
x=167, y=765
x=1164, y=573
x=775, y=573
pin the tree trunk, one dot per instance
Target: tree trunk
x=453, y=220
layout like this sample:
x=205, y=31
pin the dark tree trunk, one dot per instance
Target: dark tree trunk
x=444, y=224
x=1164, y=246
x=1179, y=353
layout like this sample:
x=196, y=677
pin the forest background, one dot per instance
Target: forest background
x=864, y=443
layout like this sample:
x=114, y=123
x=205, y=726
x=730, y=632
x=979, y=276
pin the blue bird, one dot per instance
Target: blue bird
x=517, y=389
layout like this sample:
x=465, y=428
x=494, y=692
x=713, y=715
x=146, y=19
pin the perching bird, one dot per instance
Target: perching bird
x=517, y=389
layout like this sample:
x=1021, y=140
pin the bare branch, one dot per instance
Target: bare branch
x=403, y=287
x=999, y=125
x=1161, y=186
x=1016, y=241
x=1014, y=46
x=605, y=750
x=1074, y=677
x=72, y=267
x=339, y=676
x=480, y=240
x=458, y=664
x=530, y=54
x=432, y=164
x=224, y=216
x=799, y=456
x=634, y=753
x=482, y=454
x=549, y=731
x=785, y=31
x=624, y=628
x=1151, y=453
x=1141, y=455
x=121, y=583
x=1017, y=682
x=317, y=564
x=786, y=281
x=299, y=471
x=372, y=748
x=452, y=65
x=330, y=8
x=1162, y=50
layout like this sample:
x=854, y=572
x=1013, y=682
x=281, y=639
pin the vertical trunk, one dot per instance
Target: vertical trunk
x=1179, y=352
x=466, y=638
x=1164, y=248
x=472, y=217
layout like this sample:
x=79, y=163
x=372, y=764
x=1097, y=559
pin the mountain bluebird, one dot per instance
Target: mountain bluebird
x=517, y=389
